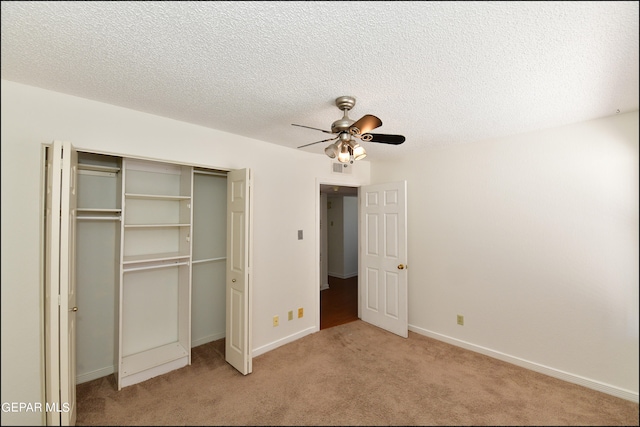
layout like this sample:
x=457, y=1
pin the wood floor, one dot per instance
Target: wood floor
x=339, y=303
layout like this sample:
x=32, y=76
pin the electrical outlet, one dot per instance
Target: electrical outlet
x=300, y=312
x=460, y=320
x=291, y=315
x=276, y=320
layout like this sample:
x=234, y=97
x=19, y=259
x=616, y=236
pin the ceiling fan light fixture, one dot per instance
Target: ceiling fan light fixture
x=344, y=155
x=332, y=150
x=357, y=150
x=359, y=153
x=346, y=149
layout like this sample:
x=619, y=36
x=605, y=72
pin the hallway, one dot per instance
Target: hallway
x=339, y=303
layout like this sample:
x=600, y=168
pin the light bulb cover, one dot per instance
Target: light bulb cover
x=359, y=153
x=344, y=155
x=331, y=150
x=357, y=150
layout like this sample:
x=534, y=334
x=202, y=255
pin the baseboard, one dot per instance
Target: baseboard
x=556, y=373
x=286, y=340
x=324, y=287
x=94, y=375
x=207, y=339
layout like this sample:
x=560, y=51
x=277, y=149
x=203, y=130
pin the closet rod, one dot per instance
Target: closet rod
x=126, y=270
x=209, y=260
x=211, y=173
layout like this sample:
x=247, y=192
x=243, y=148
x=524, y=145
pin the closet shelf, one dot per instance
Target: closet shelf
x=155, y=225
x=99, y=210
x=155, y=196
x=137, y=259
x=129, y=268
x=98, y=168
x=98, y=218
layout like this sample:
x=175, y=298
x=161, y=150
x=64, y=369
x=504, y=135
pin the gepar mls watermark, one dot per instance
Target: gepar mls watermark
x=35, y=407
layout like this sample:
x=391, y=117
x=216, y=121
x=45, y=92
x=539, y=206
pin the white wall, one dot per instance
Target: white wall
x=342, y=223
x=335, y=225
x=534, y=239
x=32, y=117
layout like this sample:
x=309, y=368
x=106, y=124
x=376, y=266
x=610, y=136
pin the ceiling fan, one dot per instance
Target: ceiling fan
x=346, y=131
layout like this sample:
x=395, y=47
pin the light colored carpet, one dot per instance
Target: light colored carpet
x=352, y=374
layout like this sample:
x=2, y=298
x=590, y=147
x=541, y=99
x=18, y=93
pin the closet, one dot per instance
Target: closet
x=142, y=260
x=150, y=263
x=99, y=202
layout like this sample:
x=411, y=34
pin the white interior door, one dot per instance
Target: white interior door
x=382, y=277
x=60, y=286
x=238, y=294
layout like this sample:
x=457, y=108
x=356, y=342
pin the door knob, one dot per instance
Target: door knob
x=74, y=309
x=233, y=280
x=401, y=267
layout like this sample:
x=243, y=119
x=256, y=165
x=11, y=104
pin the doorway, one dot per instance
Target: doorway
x=338, y=255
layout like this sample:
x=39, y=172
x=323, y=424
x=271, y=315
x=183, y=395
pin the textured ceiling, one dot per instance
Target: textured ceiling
x=440, y=73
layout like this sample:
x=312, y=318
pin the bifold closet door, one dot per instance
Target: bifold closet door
x=60, y=283
x=238, y=345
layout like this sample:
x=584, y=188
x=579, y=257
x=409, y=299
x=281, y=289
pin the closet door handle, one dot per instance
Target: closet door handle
x=233, y=280
x=74, y=309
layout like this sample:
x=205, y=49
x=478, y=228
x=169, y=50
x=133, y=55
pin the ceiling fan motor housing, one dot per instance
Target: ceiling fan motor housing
x=342, y=125
x=345, y=103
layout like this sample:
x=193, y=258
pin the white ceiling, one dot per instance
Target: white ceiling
x=440, y=73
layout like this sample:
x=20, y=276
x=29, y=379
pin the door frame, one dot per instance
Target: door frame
x=318, y=283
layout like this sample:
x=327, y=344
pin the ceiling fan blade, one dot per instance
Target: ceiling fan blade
x=366, y=124
x=385, y=138
x=318, y=142
x=309, y=127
